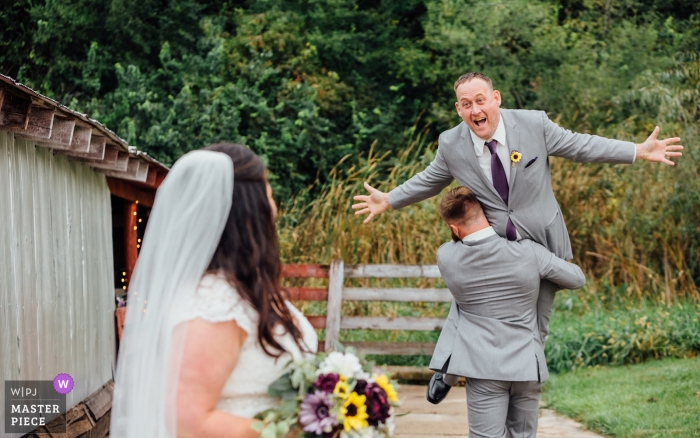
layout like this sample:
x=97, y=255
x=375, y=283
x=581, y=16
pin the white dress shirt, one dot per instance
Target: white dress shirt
x=483, y=154
x=479, y=235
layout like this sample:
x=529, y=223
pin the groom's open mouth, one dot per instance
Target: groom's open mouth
x=480, y=122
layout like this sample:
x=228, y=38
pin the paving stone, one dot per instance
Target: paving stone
x=449, y=418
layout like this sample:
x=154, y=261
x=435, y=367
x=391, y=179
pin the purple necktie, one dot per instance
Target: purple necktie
x=500, y=183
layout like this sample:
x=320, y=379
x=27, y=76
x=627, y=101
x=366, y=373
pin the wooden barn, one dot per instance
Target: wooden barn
x=74, y=202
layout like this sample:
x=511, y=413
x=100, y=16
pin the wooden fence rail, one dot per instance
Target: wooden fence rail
x=336, y=293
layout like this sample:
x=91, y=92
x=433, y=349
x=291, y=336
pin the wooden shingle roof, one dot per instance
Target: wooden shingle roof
x=28, y=114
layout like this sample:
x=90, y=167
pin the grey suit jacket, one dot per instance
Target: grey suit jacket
x=495, y=283
x=533, y=208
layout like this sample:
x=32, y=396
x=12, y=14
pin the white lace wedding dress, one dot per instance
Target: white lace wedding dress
x=245, y=391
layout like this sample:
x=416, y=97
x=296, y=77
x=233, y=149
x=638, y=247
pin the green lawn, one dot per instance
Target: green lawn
x=653, y=399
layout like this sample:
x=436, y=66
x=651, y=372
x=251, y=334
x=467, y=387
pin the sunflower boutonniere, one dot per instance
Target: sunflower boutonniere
x=515, y=157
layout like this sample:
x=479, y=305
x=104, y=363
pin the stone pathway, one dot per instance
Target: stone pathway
x=449, y=418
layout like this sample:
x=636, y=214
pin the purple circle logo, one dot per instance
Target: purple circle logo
x=63, y=383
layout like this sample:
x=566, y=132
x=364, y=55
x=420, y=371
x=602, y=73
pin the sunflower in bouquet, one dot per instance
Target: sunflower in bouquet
x=333, y=395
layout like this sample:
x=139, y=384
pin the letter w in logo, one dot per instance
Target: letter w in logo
x=63, y=384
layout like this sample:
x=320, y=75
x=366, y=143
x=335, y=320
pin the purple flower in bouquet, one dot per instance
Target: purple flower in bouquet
x=327, y=382
x=315, y=415
x=377, y=404
x=360, y=386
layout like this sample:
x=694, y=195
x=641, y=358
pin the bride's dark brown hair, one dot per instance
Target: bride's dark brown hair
x=248, y=252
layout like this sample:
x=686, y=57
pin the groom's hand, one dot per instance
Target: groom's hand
x=655, y=150
x=375, y=203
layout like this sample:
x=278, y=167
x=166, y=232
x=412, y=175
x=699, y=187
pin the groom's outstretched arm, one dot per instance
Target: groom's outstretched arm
x=423, y=185
x=586, y=148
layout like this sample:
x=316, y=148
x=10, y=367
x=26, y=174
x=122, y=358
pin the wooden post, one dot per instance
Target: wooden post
x=336, y=278
x=130, y=236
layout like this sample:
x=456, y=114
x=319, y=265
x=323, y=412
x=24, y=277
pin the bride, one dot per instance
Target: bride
x=207, y=327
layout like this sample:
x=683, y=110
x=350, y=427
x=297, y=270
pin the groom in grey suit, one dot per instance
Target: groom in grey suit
x=495, y=283
x=502, y=156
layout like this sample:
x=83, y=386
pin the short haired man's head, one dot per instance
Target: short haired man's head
x=461, y=211
x=478, y=104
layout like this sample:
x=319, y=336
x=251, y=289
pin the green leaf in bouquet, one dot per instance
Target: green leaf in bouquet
x=297, y=377
x=258, y=426
x=368, y=367
x=338, y=347
x=282, y=428
x=270, y=431
x=270, y=417
x=288, y=406
x=280, y=386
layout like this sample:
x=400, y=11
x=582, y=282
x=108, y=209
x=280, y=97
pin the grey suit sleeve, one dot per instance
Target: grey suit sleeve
x=566, y=275
x=423, y=185
x=585, y=148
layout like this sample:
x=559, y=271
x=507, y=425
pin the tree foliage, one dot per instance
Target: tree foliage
x=306, y=82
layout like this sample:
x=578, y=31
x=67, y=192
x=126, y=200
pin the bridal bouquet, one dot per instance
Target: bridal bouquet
x=332, y=395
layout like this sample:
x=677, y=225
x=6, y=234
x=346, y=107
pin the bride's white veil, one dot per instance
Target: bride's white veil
x=186, y=223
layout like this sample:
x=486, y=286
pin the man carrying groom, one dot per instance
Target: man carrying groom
x=495, y=343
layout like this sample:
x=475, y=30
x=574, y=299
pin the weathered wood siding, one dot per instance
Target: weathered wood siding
x=56, y=278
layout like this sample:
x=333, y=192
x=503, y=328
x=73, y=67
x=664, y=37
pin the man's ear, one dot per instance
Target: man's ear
x=455, y=230
x=497, y=97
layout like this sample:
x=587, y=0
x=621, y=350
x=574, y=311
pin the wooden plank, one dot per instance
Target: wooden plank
x=120, y=316
x=389, y=323
x=101, y=428
x=100, y=402
x=142, y=172
x=81, y=139
x=96, y=154
x=133, y=171
x=61, y=133
x=108, y=160
x=317, y=321
x=122, y=161
x=37, y=127
x=305, y=271
x=160, y=176
x=406, y=294
x=394, y=348
x=2, y=99
x=335, y=303
x=392, y=271
x=151, y=178
x=130, y=236
x=401, y=372
x=308, y=293
x=129, y=191
x=15, y=111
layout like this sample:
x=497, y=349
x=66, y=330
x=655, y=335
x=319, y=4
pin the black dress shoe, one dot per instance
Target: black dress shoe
x=437, y=388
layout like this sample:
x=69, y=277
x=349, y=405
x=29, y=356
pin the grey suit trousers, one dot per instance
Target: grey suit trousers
x=499, y=409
